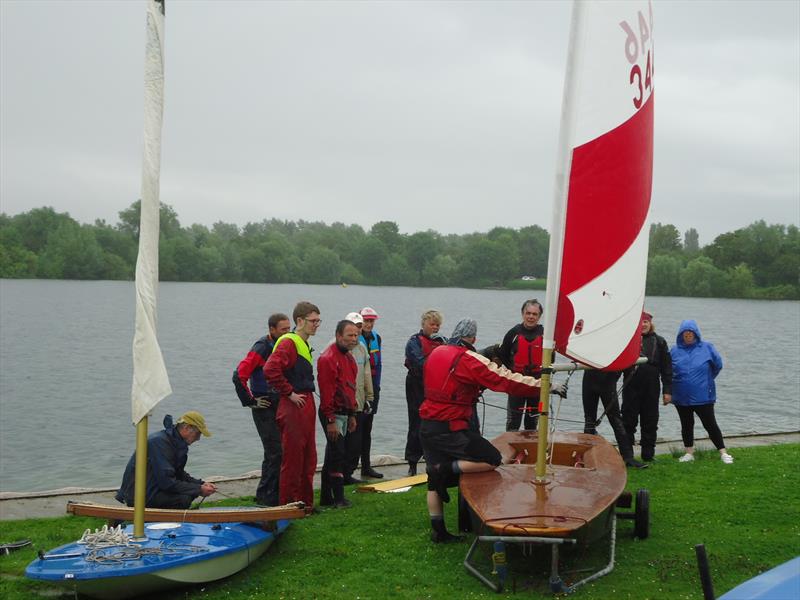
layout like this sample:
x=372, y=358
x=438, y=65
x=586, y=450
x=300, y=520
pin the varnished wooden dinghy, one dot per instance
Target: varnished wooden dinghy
x=584, y=480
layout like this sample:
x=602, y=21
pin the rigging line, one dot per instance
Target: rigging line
x=615, y=400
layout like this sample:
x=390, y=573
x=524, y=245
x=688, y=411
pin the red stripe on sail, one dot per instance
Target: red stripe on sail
x=609, y=197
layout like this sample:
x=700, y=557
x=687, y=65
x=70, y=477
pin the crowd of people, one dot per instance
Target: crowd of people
x=444, y=382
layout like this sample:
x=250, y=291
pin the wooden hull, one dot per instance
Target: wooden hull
x=575, y=501
x=219, y=551
x=232, y=514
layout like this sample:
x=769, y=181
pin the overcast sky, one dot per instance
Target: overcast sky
x=440, y=115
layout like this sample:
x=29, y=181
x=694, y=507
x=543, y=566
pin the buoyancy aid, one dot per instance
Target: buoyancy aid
x=301, y=375
x=447, y=398
x=427, y=345
x=528, y=355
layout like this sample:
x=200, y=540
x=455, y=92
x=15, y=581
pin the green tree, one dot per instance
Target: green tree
x=169, y=226
x=421, y=248
x=702, y=279
x=397, y=271
x=664, y=239
x=368, y=257
x=664, y=276
x=440, y=272
x=322, y=265
x=740, y=281
x=72, y=252
x=691, y=241
x=389, y=234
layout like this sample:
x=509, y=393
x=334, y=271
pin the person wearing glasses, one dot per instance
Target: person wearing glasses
x=168, y=484
x=290, y=372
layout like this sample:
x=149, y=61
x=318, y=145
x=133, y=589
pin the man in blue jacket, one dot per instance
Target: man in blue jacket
x=168, y=485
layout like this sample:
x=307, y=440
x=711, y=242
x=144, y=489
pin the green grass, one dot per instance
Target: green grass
x=747, y=514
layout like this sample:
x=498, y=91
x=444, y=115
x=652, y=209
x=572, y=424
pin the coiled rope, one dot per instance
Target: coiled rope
x=113, y=546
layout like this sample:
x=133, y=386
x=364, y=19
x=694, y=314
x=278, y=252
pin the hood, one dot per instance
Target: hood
x=688, y=325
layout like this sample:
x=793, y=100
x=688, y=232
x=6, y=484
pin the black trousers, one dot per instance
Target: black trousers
x=415, y=394
x=597, y=387
x=515, y=409
x=354, y=442
x=167, y=500
x=640, y=405
x=707, y=418
x=335, y=452
x=267, y=490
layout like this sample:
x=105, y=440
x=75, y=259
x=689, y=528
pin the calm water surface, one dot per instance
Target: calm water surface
x=65, y=367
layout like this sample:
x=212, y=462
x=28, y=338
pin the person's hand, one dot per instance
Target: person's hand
x=262, y=402
x=367, y=407
x=332, y=431
x=667, y=399
x=298, y=400
x=351, y=424
x=207, y=489
x=559, y=389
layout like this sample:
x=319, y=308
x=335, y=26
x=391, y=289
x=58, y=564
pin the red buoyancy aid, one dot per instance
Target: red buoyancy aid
x=528, y=356
x=427, y=345
x=447, y=398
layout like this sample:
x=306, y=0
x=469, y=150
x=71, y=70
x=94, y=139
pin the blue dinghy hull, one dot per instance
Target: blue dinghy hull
x=174, y=555
x=780, y=583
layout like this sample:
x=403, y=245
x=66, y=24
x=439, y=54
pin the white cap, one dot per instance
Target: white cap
x=354, y=317
x=369, y=313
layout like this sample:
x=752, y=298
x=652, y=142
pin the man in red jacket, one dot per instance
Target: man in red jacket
x=337, y=370
x=454, y=377
x=290, y=372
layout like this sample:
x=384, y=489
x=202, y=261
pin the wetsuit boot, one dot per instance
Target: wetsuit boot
x=439, y=533
x=339, y=501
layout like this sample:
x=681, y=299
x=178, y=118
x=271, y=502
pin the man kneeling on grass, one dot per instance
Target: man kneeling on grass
x=454, y=377
x=168, y=484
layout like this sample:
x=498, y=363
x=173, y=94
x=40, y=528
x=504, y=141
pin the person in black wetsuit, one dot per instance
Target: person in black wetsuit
x=643, y=386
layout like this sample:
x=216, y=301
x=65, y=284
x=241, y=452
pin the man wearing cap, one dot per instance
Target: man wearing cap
x=372, y=341
x=454, y=377
x=262, y=399
x=337, y=372
x=168, y=485
x=290, y=371
x=364, y=398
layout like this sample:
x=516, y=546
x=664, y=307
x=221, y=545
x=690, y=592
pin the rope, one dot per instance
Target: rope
x=105, y=537
x=100, y=543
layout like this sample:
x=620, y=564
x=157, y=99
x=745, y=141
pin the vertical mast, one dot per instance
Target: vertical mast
x=555, y=253
x=150, y=380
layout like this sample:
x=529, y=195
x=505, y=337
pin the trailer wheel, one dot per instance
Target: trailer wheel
x=641, y=528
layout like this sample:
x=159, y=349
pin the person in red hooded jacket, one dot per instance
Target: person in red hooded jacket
x=454, y=377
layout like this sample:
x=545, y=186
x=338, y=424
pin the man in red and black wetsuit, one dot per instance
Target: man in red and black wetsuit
x=418, y=348
x=455, y=375
x=263, y=400
x=337, y=371
x=290, y=372
x=521, y=351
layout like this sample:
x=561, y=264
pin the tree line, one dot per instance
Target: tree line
x=758, y=261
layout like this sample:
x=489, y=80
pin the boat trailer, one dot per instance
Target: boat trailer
x=640, y=516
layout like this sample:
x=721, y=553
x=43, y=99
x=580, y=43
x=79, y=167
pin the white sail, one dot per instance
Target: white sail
x=150, y=380
x=599, y=236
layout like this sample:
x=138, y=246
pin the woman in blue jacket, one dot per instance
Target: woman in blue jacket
x=695, y=365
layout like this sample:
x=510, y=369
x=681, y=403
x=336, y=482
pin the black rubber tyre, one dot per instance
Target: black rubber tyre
x=625, y=500
x=641, y=527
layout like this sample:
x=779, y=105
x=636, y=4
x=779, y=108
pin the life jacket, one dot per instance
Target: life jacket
x=301, y=375
x=428, y=345
x=528, y=355
x=374, y=348
x=446, y=398
x=258, y=383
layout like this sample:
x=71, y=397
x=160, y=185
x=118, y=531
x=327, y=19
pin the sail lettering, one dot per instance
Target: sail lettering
x=636, y=46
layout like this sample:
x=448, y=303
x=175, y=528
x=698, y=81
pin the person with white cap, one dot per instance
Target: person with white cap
x=168, y=484
x=363, y=401
x=373, y=342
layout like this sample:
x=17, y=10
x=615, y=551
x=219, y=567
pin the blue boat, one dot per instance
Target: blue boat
x=780, y=583
x=174, y=555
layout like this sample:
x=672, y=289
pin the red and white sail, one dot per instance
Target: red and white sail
x=599, y=239
x=150, y=380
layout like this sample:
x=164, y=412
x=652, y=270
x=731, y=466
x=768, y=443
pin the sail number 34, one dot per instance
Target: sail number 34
x=640, y=45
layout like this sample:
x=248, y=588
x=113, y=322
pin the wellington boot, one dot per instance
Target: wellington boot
x=445, y=537
x=337, y=484
x=325, y=491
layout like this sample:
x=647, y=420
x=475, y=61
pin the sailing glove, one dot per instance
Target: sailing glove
x=559, y=389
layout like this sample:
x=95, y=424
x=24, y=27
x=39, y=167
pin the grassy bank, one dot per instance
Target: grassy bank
x=747, y=514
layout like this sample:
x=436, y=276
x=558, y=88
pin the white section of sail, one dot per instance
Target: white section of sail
x=614, y=36
x=610, y=307
x=150, y=379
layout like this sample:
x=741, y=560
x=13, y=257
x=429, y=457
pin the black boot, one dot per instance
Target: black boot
x=370, y=472
x=440, y=535
x=325, y=491
x=412, y=469
x=339, y=501
x=632, y=462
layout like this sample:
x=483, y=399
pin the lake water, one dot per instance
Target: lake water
x=65, y=367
